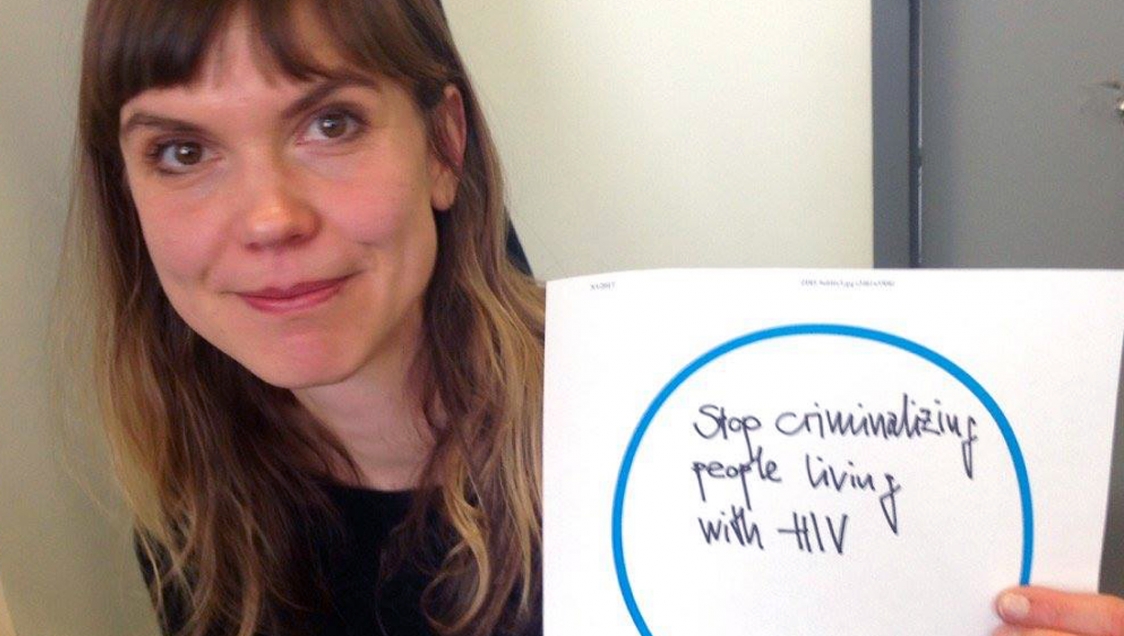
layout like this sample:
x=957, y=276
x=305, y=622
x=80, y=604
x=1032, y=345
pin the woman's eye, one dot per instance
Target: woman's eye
x=178, y=156
x=332, y=125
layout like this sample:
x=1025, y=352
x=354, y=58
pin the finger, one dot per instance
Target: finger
x=1043, y=608
x=1010, y=630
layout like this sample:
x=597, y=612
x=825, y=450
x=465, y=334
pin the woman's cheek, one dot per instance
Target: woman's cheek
x=376, y=211
x=375, y=192
x=182, y=241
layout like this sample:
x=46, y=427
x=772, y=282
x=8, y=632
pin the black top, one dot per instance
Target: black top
x=369, y=517
x=351, y=568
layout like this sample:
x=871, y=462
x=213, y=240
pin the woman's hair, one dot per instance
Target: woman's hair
x=224, y=472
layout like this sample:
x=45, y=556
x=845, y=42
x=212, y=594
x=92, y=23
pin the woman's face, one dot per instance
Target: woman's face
x=290, y=223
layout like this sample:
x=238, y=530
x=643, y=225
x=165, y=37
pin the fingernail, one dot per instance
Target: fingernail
x=1014, y=606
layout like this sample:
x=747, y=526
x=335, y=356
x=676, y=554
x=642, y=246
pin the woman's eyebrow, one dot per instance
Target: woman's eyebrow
x=322, y=90
x=319, y=91
x=141, y=119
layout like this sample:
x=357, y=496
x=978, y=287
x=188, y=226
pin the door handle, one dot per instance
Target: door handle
x=1118, y=86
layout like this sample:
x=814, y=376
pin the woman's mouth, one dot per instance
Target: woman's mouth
x=305, y=295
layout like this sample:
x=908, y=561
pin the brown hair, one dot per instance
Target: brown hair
x=197, y=440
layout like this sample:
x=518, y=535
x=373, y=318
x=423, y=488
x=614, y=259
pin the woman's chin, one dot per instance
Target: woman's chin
x=300, y=376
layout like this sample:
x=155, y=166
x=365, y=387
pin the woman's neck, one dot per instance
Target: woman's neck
x=378, y=415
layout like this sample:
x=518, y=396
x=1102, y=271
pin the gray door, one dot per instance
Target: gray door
x=1022, y=145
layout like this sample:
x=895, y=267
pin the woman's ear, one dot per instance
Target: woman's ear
x=451, y=134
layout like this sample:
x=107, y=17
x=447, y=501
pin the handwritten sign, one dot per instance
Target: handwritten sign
x=750, y=452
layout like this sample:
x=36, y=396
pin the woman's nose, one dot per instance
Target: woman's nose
x=277, y=213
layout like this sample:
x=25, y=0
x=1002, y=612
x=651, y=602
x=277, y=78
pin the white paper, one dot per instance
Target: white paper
x=664, y=388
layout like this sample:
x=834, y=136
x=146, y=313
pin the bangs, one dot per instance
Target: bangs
x=135, y=45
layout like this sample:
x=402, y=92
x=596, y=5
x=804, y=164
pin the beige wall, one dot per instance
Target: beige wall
x=660, y=133
x=67, y=568
x=636, y=134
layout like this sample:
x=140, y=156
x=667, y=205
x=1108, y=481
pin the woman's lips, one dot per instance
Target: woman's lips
x=277, y=300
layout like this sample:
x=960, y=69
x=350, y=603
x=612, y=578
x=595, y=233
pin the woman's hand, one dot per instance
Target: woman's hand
x=1039, y=611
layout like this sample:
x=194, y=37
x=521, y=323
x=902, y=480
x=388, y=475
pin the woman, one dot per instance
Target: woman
x=320, y=376
x=308, y=329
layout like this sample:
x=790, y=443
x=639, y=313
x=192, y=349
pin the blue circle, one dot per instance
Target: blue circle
x=802, y=330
